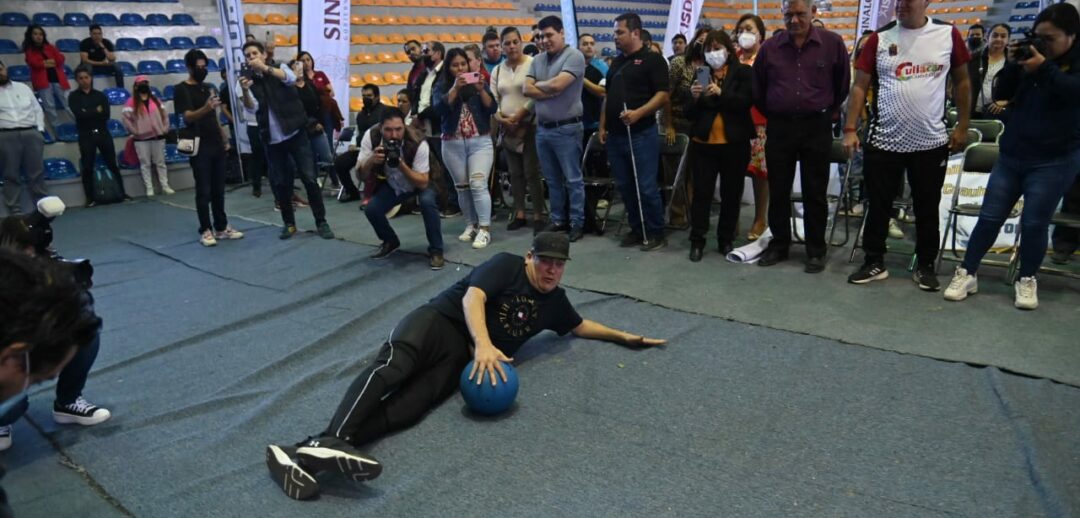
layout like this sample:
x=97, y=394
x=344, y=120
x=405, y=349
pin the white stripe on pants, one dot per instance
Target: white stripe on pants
x=151, y=153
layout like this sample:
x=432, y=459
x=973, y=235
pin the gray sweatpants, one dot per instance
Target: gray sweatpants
x=22, y=152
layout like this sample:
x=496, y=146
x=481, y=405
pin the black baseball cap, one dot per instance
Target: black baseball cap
x=555, y=245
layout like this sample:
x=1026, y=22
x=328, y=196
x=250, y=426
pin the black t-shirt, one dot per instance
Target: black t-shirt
x=634, y=79
x=93, y=51
x=188, y=97
x=309, y=97
x=515, y=310
x=590, y=103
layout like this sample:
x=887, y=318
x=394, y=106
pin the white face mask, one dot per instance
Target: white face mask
x=15, y=400
x=747, y=40
x=716, y=58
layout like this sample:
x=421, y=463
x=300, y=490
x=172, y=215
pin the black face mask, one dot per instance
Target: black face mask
x=142, y=88
x=199, y=75
x=975, y=42
x=5, y=81
x=429, y=61
x=368, y=103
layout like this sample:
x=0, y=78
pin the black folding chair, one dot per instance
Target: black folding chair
x=325, y=170
x=979, y=158
x=596, y=188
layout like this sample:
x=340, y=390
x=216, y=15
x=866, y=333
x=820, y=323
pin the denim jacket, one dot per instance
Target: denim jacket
x=451, y=113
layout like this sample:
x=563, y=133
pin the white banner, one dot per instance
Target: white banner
x=682, y=19
x=874, y=13
x=232, y=38
x=569, y=21
x=972, y=189
x=324, y=32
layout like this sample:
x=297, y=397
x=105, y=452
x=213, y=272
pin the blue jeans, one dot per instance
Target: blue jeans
x=296, y=149
x=385, y=199
x=469, y=162
x=1042, y=183
x=320, y=149
x=69, y=384
x=53, y=98
x=646, y=148
x=559, y=151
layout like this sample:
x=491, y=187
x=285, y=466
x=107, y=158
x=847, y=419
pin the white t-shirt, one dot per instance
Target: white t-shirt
x=986, y=95
x=397, y=179
x=508, y=87
x=19, y=108
x=909, y=70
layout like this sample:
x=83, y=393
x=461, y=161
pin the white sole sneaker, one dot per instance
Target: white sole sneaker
x=100, y=416
x=293, y=480
x=5, y=437
x=353, y=467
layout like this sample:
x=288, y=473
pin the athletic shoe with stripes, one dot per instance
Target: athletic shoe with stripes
x=333, y=454
x=289, y=476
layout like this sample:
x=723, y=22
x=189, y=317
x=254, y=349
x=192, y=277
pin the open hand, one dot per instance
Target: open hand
x=695, y=90
x=643, y=341
x=488, y=359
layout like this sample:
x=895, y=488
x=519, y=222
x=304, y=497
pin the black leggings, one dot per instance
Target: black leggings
x=728, y=161
x=417, y=368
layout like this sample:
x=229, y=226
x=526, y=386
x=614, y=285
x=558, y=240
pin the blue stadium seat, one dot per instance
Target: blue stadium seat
x=9, y=47
x=128, y=44
x=59, y=169
x=154, y=43
x=66, y=132
x=224, y=121
x=175, y=122
x=155, y=92
x=181, y=43
x=168, y=93
x=69, y=72
x=172, y=156
x=47, y=20
x=175, y=66
x=1030, y=17
x=76, y=20
x=150, y=67
x=48, y=137
x=127, y=68
x=212, y=66
x=14, y=19
x=67, y=45
x=106, y=19
x=132, y=20
x=207, y=42
x=116, y=128
x=157, y=19
x=1016, y=18
x=183, y=19
x=19, y=73
x=117, y=96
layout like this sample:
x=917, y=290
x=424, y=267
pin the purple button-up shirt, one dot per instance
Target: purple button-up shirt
x=799, y=81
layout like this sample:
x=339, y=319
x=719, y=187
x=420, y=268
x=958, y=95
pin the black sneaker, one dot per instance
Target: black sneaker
x=926, y=278
x=516, y=223
x=630, y=240
x=653, y=245
x=324, y=231
x=814, y=265
x=772, y=256
x=385, y=249
x=1060, y=257
x=576, y=233
x=869, y=272
x=724, y=248
x=556, y=227
x=80, y=412
x=450, y=213
x=289, y=476
x=287, y=232
x=436, y=262
x=333, y=454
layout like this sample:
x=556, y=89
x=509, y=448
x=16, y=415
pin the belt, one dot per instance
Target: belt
x=798, y=116
x=556, y=124
x=5, y=130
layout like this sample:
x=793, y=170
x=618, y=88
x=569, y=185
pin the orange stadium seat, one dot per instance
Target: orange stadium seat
x=254, y=19
x=276, y=19
x=390, y=20
x=460, y=37
x=374, y=79
x=293, y=19
x=355, y=81
x=379, y=39
x=444, y=3
x=281, y=40
x=423, y=20
x=413, y=36
x=429, y=36
x=356, y=59
x=387, y=57
x=446, y=37
x=394, y=78
x=294, y=40
x=356, y=103
x=356, y=19
x=402, y=57
x=414, y=3
x=385, y=100
x=427, y=3
x=406, y=20
x=360, y=39
x=505, y=21
x=437, y=20
x=367, y=58
x=396, y=37
x=372, y=19
x=453, y=20
x=470, y=4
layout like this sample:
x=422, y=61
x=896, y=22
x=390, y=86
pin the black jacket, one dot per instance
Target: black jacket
x=365, y=118
x=285, y=99
x=91, y=110
x=1043, y=117
x=977, y=70
x=733, y=103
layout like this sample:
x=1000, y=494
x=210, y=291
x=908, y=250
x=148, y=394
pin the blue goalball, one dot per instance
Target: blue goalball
x=486, y=399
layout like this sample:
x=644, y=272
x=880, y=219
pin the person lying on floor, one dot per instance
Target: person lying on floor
x=486, y=316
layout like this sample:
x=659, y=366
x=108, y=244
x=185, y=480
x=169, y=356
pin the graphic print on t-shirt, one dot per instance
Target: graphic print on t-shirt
x=517, y=314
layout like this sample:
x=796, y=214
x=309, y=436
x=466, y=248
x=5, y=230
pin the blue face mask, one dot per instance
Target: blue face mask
x=15, y=400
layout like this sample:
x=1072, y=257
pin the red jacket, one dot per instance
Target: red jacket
x=39, y=78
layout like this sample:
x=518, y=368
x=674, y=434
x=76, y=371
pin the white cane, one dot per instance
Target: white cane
x=637, y=186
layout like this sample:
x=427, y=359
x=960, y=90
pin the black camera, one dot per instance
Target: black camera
x=1024, y=46
x=40, y=225
x=392, y=148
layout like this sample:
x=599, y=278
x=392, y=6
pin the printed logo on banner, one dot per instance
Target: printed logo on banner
x=325, y=32
x=972, y=190
x=682, y=19
x=232, y=20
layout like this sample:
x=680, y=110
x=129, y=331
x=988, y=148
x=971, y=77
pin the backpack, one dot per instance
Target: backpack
x=105, y=186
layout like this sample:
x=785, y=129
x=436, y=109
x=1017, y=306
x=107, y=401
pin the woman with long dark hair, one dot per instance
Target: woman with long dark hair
x=983, y=69
x=465, y=104
x=749, y=35
x=145, y=118
x=331, y=113
x=47, y=76
x=720, y=142
x=309, y=97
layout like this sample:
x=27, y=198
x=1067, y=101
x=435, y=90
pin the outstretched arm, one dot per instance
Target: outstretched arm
x=597, y=331
x=486, y=357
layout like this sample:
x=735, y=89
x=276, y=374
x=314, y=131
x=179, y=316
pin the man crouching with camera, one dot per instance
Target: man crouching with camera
x=398, y=163
x=46, y=322
x=31, y=236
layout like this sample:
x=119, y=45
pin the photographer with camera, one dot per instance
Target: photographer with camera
x=30, y=236
x=396, y=160
x=284, y=124
x=1040, y=149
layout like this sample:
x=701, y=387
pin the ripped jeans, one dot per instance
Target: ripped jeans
x=469, y=161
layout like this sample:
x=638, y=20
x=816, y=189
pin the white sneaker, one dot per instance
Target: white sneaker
x=895, y=231
x=80, y=412
x=483, y=238
x=962, y=285
x=5, y=437
x=167, y=190
x=229, y=233
x=469, y=234
x=208, y=239
x=150, y=192
x=1027, y=293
